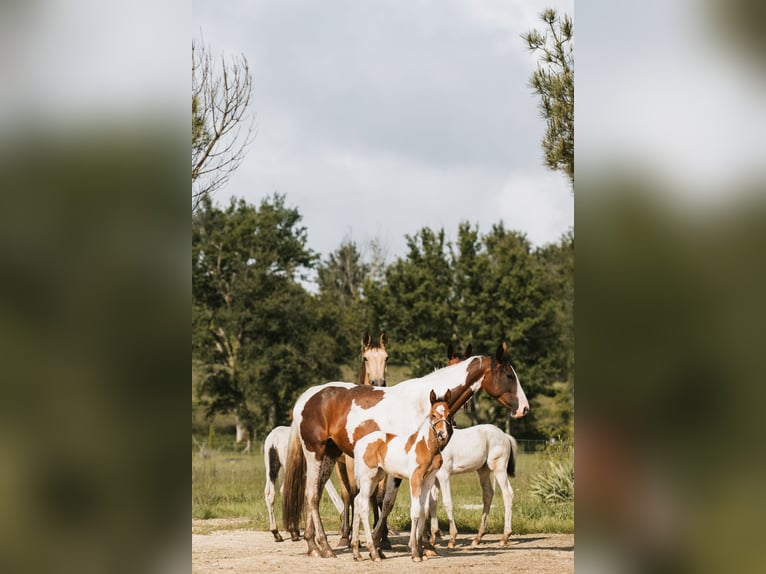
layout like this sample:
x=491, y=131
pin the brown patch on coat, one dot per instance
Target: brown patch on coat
x=475, y=370
x=410, y=441
x=365, y=396
x=375, y=452
x=364, y=429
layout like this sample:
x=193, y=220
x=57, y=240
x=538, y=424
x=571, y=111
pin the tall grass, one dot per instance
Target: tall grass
x=230, y=485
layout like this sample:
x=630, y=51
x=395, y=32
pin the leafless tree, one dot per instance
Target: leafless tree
x=222, y=127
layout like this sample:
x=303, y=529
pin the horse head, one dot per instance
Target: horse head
x=439, y=418
x=374, y=359
x=499, y=380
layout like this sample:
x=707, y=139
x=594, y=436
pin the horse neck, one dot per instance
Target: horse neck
x=363, y=379
x=455, y=378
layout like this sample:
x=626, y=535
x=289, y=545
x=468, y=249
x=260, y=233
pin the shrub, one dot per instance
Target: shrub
x=554, y=483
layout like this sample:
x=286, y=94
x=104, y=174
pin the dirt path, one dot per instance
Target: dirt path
x=244, y=551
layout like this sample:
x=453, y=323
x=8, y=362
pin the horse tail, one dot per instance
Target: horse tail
x=511, y=468
x=295, y=481
x=274, y=464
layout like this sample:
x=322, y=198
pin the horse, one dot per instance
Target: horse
x=329, y=419
x=371, y=373
x=489, y=451
x=274, y=456
x=416, y=457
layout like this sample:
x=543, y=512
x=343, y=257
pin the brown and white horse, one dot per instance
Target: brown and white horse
x=329, y=419
x=372, y=372
x=416, y=457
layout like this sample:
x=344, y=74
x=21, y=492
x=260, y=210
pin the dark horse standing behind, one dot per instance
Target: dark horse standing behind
x=329, y=419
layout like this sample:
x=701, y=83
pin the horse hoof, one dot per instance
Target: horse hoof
x=277, y=536
x=503, y=542
x=385, y=544
x=417, y=559
x=475, y=542
x=380, y=554
x=344, y=543
x=358, y=559
x=294, y=536
x=329, y=554
x=451, y=544
x=314, y=553
x=430, y=552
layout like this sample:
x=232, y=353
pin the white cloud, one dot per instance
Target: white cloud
x=539, y=204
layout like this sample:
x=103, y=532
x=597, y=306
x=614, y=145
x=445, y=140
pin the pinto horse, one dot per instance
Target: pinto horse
x=490, y=452
x=329, y=419
x=371, y=373
x=416, y=457
x=274, y=456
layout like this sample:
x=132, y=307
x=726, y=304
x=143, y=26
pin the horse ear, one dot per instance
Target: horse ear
x=450, y=352
x=448, y=396
x=468, y=351
x=433, y=396
x=383, y=339
x=365, y=340
x=500, y=352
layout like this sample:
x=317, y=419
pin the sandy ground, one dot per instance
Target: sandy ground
x=245, y=551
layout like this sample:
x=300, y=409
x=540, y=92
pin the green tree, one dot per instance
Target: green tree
x=341, y=278
x=553, y=81
x=257, y=334
x=554, y=407
x=413, y=302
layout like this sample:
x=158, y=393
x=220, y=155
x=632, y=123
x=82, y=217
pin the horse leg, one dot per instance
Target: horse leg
x=505, y=487
x=425, y=497
x=362, y=512
x=348, y=497
x=415, y=512
x=487, y=491
x=355, y=530
x=433, y=499
x=377, y=501
x=392, y=488
x=317, y=473
x=447, y=502
x=269, y=493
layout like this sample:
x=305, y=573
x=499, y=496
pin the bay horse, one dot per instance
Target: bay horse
x=329, y=419
x=372, y=372
x=415, y=456
x=490, y=452
x=274, y=456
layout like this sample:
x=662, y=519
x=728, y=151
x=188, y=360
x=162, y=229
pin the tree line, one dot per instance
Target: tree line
x=260, y=337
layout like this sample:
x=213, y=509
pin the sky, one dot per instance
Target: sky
x=376, y=119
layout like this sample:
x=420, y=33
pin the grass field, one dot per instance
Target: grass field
x=230, y=485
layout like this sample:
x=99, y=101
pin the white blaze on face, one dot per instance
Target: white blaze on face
x=523, y=402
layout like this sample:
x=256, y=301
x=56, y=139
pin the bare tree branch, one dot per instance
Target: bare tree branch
x=222, y=127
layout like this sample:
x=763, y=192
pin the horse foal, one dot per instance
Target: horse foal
x=416, y=457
